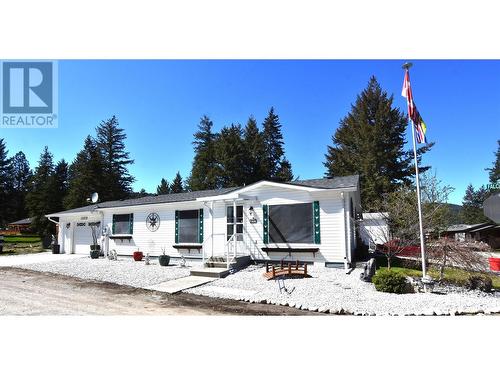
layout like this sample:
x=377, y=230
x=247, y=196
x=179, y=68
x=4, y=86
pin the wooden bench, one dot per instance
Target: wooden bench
x=188, y=247
x=291, y=250
x=290, y=270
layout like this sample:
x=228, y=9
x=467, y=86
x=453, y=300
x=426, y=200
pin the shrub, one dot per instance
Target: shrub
x=390, y=282
x=481, y=282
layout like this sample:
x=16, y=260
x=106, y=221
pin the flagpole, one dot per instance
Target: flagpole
x=407, y=67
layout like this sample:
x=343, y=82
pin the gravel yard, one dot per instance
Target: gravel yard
x=331, y=290
x=123, y=271
x=328, y=290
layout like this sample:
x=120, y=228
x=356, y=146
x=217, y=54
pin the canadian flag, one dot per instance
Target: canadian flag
x=406, y=92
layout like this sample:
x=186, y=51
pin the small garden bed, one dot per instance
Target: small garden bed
x=451, y=275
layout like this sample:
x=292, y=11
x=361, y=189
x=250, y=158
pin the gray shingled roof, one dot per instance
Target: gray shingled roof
x=329, y=183
x=324, y=183
x=21, y=222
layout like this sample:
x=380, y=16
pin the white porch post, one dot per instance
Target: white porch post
x=212, y=225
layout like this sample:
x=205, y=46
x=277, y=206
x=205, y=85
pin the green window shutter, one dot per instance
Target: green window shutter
x=113, y=227
x=317, y=230
x=200, y=226
x=265, y=222
x=131, y=224
x=176, y=226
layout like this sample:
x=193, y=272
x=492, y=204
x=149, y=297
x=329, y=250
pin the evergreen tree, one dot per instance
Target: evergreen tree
x=370, y=142
x=177, y=185
x=254, y=145
x=163, y=188
x=494, y=171
x=86, y=176
x=21, y=175
x=273, y=146
x=40, y=199
x=472, y=205
x=232, y=157
x=285, y=171
x=111, y=143
x=60, y=185
x=6, y=185
x=204, y=169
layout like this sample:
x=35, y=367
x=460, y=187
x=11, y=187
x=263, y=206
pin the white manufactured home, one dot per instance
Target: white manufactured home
x=308, y=220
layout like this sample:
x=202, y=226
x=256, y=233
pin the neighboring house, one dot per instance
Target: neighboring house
x=484, y=232
x=20, y=226
x=309, y=220
x=373, y=229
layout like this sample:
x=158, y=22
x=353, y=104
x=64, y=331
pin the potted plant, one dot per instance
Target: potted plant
x=138, y=255
x=95, y=249
x=55, y=246
x=164, y=259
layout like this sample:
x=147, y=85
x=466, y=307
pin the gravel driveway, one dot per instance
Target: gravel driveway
x=331, y=290
x=122, y=271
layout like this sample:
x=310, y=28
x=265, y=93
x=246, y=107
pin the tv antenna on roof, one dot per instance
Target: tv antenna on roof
x=93, y=198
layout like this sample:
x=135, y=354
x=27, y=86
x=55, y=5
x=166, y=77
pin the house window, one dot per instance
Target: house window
x=123, y=224
x=291, y=223
x=188, y=226
x=230, y=221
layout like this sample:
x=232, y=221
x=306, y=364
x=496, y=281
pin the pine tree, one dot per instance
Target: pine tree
x=86, y=176
x=163, y=188
x=40, y=199
x=254, y=145
x=232, y=157
x=472, y=205
x=273, y=145
x=285, y=173
x=370, y=141
x=6, y=185
x=21, y=175
x=60, y=185
x=111, y=143
x=177, y=185
x=494, y=171
x=204, y=169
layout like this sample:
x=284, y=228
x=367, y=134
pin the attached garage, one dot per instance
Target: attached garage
x=83, y=236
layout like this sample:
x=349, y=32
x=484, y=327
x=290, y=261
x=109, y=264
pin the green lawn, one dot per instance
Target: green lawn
x=26, y=247
x=21, y=239
x=452, y=275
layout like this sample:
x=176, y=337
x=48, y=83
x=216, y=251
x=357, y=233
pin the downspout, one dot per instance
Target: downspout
x=346, y=267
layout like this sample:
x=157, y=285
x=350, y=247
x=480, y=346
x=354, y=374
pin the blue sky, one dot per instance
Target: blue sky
x=159, y=103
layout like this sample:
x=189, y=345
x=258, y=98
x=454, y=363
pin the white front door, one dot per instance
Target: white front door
x=237, y=223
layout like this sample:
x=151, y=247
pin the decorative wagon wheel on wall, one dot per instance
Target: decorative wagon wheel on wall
x=153, y=222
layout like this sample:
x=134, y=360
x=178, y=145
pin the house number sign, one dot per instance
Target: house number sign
x=153, y=222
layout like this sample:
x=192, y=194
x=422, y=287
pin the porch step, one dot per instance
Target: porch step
x=218, y=272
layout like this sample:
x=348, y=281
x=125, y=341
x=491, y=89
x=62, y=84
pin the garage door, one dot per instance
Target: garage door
x=83, y=237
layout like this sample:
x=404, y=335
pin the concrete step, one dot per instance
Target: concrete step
x=220, y=264
x=218, y=272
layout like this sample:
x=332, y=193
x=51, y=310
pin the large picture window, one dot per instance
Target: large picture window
x=291, y=223
x=123, y=224
x=188, y=228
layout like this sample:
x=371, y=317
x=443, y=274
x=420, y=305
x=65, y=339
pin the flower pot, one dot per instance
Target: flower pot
x=94, y=254
x=494, y=264
x=56, y=249
x=138, y=256
x=95, y=247
x=164, y=260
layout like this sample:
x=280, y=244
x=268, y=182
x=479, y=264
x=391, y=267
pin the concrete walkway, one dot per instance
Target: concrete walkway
x=16, y=260
x=177, y=285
